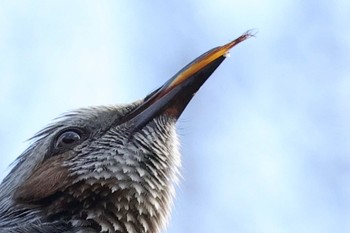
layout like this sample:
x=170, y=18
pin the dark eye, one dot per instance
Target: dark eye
x=68, y=138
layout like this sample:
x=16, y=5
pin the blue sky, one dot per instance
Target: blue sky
x=265, y=142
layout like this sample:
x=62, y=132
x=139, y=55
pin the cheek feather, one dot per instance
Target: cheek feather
x=49, y=178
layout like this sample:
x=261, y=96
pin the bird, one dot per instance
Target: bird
x=108, y=168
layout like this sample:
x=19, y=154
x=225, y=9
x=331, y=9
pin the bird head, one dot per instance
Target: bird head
x=110, y=169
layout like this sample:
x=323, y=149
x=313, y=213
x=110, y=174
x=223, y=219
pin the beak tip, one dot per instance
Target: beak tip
x=248, y=34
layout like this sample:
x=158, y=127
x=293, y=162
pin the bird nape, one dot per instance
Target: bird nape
x=105, y=169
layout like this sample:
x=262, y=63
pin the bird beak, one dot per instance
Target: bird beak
x=172, y=97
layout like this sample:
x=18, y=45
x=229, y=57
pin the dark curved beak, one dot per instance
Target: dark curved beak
x=172, y=98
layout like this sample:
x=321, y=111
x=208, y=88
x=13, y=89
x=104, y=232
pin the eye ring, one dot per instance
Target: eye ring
x=68, y=138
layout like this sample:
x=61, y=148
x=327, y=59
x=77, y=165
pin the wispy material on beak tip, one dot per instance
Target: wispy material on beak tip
x=226, y=48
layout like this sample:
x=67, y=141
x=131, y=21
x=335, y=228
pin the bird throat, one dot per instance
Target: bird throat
x=135, y=195
x=102, y=208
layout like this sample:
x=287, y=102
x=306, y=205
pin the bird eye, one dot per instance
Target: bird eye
x=68, y=138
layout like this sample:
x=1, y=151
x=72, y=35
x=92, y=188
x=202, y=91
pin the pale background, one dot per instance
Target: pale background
x=266, y=142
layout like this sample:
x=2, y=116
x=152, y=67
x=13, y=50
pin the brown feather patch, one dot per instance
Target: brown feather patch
x=49, y=178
